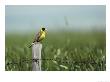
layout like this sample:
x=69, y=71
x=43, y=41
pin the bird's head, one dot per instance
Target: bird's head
x=44, y=29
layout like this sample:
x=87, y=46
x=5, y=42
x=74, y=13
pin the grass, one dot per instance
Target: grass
x=69, y=51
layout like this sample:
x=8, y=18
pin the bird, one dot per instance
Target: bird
x=39, y=36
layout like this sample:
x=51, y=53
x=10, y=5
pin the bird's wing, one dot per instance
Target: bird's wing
x=37, y=36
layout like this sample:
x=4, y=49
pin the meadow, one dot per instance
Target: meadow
x=65, y=51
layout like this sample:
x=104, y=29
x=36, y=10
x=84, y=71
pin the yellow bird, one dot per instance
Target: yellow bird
x=40, y=36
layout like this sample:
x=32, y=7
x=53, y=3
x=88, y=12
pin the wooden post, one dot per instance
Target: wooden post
x=36, y=56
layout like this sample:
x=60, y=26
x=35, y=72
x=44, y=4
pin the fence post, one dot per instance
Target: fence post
x=36, y=56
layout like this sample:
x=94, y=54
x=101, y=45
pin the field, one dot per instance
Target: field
x=65, y=51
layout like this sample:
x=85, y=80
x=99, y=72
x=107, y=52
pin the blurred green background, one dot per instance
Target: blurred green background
x=76, y=38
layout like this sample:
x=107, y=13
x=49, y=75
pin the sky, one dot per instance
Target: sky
x=26, y=18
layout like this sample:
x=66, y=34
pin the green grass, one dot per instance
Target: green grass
x=70, y=51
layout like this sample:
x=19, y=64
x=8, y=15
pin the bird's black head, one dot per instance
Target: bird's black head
x=43, y=29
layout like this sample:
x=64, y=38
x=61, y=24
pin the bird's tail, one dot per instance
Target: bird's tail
x=31, y=45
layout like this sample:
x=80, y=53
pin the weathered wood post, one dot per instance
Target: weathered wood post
x=36, y=56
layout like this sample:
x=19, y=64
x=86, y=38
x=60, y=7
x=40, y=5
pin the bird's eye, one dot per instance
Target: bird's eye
x=43, y=29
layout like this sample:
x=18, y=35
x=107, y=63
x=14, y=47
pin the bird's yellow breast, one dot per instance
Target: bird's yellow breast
x=42, y=36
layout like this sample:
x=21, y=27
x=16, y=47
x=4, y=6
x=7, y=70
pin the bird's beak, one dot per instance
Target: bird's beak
x=46, y=31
